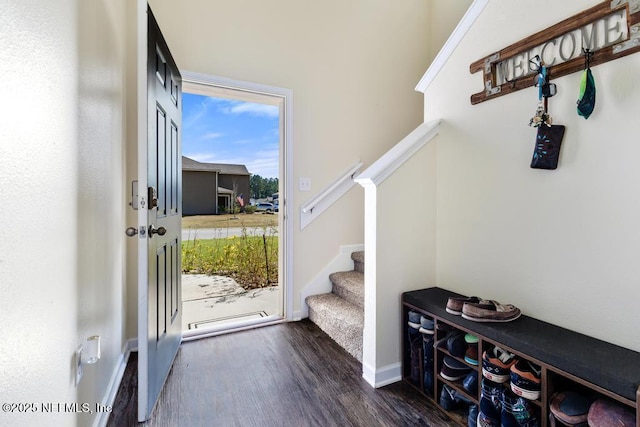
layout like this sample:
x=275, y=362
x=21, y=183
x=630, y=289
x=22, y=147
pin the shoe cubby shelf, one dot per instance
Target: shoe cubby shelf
x=567, y=360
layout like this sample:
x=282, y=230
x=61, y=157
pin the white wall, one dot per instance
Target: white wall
x=448, y=15
x=352, y=67
x=562, y=245
x=400, y=258
x=61, y=198
x=102, y=191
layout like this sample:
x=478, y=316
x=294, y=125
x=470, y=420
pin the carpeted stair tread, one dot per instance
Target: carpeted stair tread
x=349, y=285
x=342, y=320
x=358, y=261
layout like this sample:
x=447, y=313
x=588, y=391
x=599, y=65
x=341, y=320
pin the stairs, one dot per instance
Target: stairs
x=340, y=314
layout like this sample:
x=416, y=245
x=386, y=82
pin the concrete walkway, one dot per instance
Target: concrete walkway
x=221, y=233
x=209, y=301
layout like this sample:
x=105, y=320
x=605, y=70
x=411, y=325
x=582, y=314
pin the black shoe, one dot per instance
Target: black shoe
x=451, y=399
x=447, y=398
x=470, y=383
x=490, y=404
x=453, y=370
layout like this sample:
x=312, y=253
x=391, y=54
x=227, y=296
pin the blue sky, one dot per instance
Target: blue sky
x=218, y=130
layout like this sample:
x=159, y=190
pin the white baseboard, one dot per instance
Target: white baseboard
x=383, y=376
x=321, y=283
x=114, y=384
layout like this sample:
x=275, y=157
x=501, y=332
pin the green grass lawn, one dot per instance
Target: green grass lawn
x=251, y=260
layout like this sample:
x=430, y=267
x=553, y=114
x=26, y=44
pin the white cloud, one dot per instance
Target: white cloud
x=243, y=141
x=265, y=163
x=265, y=167
x=211, y=135
x=261, y=110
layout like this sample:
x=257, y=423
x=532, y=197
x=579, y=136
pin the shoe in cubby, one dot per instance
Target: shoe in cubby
x=414, y=320
x=456, y=345
x=453, y=370
x=496, y=364
x=605, y=412
x=428, y=382
x=517, y=411
x=453, y=342
x=569, y=408
x=470, y=383
x=427, y=325
x=471, y=353
x=427, y=352
x=525, y=379
x=450, y=399
x=472, y=416
x=415, y=345
x=490, y=404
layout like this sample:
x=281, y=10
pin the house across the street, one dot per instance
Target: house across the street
x=211, y=188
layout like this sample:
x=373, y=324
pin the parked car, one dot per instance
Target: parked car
x=265, y=207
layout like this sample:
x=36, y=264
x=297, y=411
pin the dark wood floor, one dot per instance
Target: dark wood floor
x=290, y=374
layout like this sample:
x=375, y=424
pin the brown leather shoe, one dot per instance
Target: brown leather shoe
x=455, y=304
x=490, y=311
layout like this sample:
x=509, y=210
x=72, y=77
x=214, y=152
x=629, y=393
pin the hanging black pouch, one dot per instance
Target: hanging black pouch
x=587, y=101
x=547, y=151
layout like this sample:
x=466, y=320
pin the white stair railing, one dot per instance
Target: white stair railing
x=328, y=196
x=400, y=153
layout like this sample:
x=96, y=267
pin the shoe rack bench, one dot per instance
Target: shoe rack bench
x=568, y=360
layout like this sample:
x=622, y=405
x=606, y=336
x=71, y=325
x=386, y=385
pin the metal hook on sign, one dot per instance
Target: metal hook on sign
x=537, y=63
x=588, y=54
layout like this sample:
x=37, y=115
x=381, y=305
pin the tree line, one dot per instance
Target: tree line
x=262, y=187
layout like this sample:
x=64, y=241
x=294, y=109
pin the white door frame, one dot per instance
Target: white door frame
x=143, y=250
x=284, y=96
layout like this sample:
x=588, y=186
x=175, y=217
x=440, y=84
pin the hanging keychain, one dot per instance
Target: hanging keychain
x=587, y=98
x=545, y=88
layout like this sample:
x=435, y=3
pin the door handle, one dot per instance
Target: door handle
x=161, y=231
x=132, y=231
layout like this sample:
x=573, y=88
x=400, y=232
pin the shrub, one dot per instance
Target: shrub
x=251, y=259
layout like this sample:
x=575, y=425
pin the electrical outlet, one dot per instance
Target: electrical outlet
x=78, y=363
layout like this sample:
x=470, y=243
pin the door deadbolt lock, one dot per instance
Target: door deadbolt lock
x=153, y=198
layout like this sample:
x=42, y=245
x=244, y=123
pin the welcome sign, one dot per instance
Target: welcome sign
x=609, y=30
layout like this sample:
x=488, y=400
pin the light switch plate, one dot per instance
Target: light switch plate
x=305, y=184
